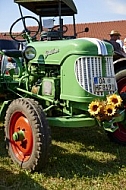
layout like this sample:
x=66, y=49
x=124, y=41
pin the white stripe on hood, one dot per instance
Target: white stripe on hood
x=102, y=50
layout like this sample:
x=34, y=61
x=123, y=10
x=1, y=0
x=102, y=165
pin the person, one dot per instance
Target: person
x=114, y=36
x=118, y=50
x=124, y=46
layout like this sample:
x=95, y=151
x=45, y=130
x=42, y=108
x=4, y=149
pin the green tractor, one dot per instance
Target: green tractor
x=56, y=80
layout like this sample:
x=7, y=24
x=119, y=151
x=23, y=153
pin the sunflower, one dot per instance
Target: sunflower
x=110, y=110
x=94, y=107
x=114, y=99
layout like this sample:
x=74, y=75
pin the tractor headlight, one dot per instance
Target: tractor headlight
x=29, y=53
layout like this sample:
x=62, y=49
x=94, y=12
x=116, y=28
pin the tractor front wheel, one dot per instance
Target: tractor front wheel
x=27, y=134
x=119, y=135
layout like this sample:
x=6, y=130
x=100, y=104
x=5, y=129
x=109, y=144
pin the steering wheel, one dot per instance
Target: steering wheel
x=27, y=31
x=57, y=27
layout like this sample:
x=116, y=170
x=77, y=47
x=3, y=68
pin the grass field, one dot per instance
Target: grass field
x=81, y=159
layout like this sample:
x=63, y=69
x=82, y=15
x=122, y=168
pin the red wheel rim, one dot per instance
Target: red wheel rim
x=120, y=133
x=21, y=149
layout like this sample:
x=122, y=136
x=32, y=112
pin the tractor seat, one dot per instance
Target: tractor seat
x=12, y=53
x=9, y=44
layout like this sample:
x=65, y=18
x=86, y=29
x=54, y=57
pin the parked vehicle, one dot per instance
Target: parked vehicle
x=58, y=81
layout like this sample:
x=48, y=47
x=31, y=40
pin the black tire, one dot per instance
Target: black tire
x=119, y=136
x=121, y=80
x=31, y=153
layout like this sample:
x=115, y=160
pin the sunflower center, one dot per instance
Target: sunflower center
x=95, y=107
x=114, y=100
x=109, y=111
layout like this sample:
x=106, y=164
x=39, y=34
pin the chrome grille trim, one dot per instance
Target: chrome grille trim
x=109, y=67
x=86, y=68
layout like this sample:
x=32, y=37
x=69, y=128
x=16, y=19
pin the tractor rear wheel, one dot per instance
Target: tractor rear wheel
x=119, y=135
x=27, y=134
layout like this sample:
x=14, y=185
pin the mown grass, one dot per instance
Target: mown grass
x=81, y=159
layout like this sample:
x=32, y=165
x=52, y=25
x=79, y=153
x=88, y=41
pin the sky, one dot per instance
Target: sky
x=88, y=12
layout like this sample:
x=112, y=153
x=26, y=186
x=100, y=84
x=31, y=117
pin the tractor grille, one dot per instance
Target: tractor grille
x=89, y=69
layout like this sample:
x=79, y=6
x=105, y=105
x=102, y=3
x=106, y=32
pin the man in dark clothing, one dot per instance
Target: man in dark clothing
x=115, y=35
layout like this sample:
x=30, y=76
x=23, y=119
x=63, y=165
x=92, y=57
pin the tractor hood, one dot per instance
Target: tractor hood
x=48, y=52
x=46, y=8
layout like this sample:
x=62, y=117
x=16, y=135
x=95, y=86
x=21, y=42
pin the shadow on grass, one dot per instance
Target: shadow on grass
x=20, y=181
x=97, y=156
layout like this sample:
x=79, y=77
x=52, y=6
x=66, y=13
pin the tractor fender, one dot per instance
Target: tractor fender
x=120, y=63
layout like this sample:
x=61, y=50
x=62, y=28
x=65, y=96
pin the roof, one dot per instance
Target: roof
x=100, y=30
x=48, y=8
